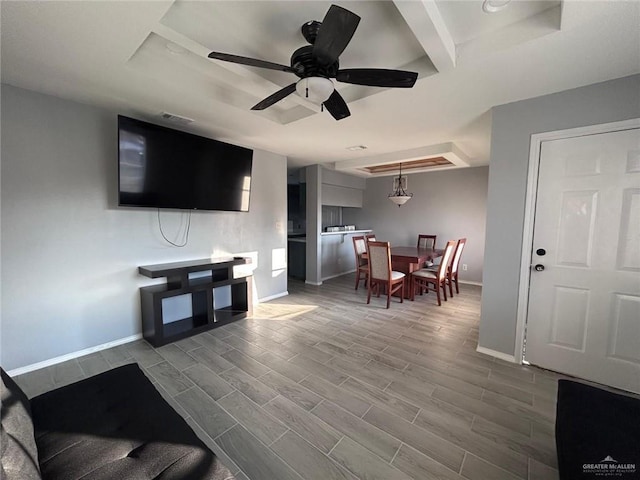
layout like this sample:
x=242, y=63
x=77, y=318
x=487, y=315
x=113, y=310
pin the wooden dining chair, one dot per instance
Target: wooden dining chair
x=427, y=241
x=362, y=264
x=380, y=272
x=370, y=237
x=452, y=275
x=423, y=277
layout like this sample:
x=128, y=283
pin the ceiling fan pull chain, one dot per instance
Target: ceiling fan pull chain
x=307, y=88
x=322, y=107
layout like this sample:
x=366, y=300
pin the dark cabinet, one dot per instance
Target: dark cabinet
x=297, y=254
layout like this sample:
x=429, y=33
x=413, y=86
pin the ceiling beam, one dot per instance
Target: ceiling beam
x=428, y=26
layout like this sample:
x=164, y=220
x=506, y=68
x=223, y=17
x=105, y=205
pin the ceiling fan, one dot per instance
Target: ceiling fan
x=317, y=63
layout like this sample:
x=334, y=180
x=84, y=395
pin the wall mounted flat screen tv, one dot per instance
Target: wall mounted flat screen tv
x=166, y=168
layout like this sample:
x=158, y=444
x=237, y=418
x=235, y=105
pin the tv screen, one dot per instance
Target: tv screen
x=166, y=168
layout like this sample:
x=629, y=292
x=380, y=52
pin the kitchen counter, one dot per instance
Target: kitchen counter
x=337, y=255
x=347, y=232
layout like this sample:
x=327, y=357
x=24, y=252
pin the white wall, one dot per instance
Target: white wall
x=70, y=255
x=450, y=204
x=513, y=125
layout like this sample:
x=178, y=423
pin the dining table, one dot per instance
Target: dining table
x=410, y=259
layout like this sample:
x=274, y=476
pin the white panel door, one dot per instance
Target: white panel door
x=584, y=305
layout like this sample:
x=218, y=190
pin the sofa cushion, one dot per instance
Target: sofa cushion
x=19, y=454
x=116, y=425
x=597, y=433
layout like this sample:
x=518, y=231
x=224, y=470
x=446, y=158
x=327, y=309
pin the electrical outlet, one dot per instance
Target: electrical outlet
x=464, y=266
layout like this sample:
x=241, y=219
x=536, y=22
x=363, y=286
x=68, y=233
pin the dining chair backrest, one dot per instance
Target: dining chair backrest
x=370, y=237
x=379, y=260
x=446, y=260
x=359, y=245
x=362, y=264
x=457, y=254
x=427, y=241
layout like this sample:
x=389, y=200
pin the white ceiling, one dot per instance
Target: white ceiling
x=144, y=58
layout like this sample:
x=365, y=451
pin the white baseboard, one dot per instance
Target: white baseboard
x=494, y=353
x=71, y=356
x=338, y=275
x=273, y=297
x=467, y=282
x=315, y=284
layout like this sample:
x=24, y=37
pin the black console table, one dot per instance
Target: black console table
x=215, y=298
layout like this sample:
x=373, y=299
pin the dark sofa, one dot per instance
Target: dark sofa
x=114, y=425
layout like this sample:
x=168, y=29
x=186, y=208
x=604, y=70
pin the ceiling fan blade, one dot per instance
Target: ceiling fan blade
x=377, y=77
x=334, y=35
x=276, y=97
x=252, y=62
x=336, y=106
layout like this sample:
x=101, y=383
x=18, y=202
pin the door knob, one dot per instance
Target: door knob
x=539, y=267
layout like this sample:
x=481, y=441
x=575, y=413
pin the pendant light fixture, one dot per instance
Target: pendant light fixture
x=399, y=195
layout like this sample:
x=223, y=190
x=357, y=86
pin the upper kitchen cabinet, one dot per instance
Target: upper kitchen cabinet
x=342, y=190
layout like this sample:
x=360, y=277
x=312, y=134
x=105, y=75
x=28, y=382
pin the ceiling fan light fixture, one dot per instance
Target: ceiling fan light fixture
x=493, y=6
x=315, y=89
x=317, y=63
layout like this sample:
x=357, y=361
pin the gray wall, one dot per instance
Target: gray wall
x=513, y=125
x=70, y=255
x=313, y=180
x=450, y=204
x=338, y=257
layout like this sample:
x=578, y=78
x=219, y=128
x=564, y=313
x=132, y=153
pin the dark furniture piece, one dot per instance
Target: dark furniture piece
x=215, y=298
x=296, y=256
x=597, y=433
x=114, y=425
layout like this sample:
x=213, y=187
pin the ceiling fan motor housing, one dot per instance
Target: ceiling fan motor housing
x=305, y=64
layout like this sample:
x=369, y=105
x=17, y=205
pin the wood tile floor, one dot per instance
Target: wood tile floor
x=320, y=385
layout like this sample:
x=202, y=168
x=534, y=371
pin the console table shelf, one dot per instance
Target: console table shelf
x=208, y=301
